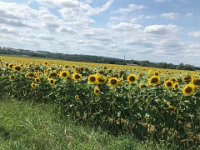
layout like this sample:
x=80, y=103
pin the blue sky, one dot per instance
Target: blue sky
x=155, y=30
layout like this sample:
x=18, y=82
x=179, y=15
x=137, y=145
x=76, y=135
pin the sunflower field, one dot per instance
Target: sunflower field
x=147, y=102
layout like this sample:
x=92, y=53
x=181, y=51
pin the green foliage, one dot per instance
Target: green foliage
x=165, y=115
x=38, y=127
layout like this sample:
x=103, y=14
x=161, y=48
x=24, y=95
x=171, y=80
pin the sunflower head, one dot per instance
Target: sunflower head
x=64, y=74
x=196, y=81
x=132, y=78
x=176, y=86
x=30, y=75
x=92, y=79
x=17, y=68
x=113, y=82
x=97, y=91
x=86, y=70
x=169, y=84
x=53, y=74
x=174, y=80
x=34, y=86
x=11, y=66
x=154, y=81
x=37, y=80
x=45, y=63
x=76, y=77
x=52, y=81
x=77, y=97
x=189, y=90
x=12, y=78
x=142, y=86
x=101, y=80
x=156, y=73
x=187, y=78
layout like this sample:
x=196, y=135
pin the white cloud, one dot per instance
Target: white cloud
x=131, y=8
x=97, y=11
x=125, y=26
x=76, y=6
x=195, y=34
x=161, y=29
x=170, y=15
x=8, y=30
x=70, y=26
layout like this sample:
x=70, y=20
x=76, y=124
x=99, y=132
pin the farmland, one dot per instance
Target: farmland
x=148, y=103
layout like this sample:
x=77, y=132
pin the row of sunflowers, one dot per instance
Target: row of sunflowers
x=163, y=104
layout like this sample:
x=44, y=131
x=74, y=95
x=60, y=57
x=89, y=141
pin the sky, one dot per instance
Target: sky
x=154, y=30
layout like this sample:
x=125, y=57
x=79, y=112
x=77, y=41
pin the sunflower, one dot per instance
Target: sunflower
x=176, y=86
x=12, y=78
x=142, y=86
x=101, y=80
x=53, y=74
x=34, y=86
x=132, y=78
x=64, y=74
x=37, y=80
x=92, y=79
x=156, y=73
x=169, y=84
x=11, y=66
x=17, y=68
x=86, y=70
x=113, y=82
x=196, y=81
x=76, y=69
x=30, y=75
x=76, y=76
x=189, y=90
x=45, y=63
x=187, y=78
x=174, y=80
x=154, y=80
x=52, y=81
x=97, y=91
x=77, y=97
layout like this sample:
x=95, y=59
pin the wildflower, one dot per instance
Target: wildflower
x=132, y=78
x=113, y=82
x=154, y=80
x=64, y=74
x=76, y=76
x=92, y=79
x=189, y=90
x=52, y=82
x=96, y=91
x=169, y=84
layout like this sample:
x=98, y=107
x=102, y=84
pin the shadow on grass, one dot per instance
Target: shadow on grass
x=4, y=133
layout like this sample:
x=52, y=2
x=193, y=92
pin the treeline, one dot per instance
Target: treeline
x=95, y=59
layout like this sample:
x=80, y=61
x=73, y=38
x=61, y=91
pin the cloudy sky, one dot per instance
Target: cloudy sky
x=155, y=30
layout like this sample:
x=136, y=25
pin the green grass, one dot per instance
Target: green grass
x=37, y=127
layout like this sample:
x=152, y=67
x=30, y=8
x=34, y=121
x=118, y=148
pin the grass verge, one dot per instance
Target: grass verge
x=37, y=127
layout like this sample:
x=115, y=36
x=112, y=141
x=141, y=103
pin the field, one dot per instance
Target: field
x=148, y=103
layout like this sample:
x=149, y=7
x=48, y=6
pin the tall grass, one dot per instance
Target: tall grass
x=24, y=126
